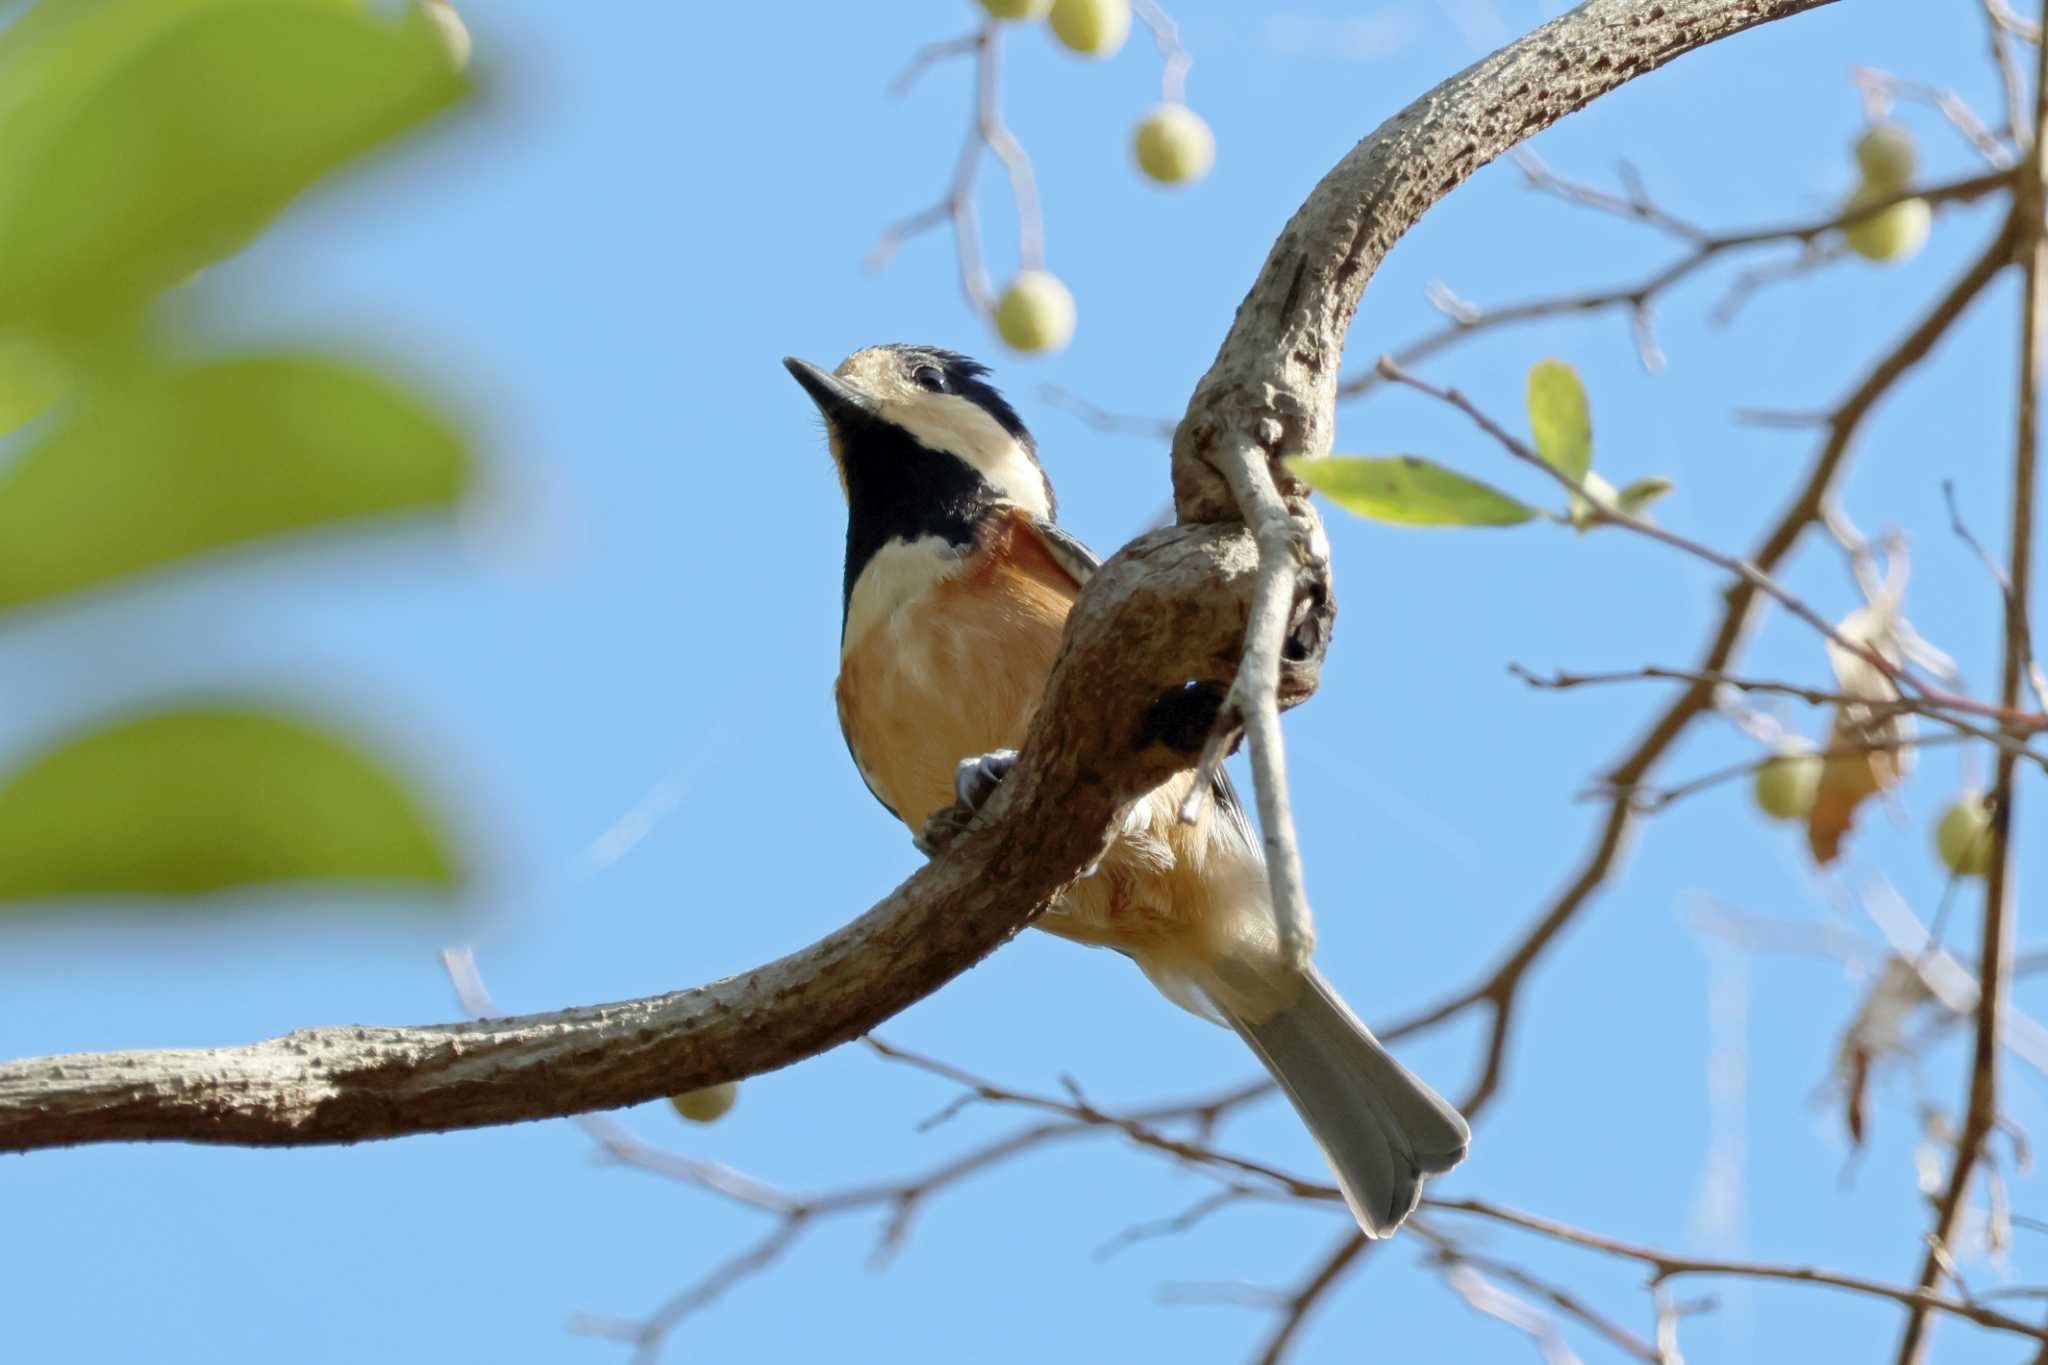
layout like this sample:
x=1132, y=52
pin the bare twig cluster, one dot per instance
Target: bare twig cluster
x=988, y=134
x=1182, y=1132
x=1811, y=239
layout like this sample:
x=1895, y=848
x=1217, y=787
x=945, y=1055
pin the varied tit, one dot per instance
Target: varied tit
x=958, y=585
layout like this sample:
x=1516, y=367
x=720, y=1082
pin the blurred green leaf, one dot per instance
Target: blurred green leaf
x=173, y=461
x=1633, y=498
x=31, y=378
x=1407, y=490
x=1559, y=418
x=191, y=801
x=140, y=139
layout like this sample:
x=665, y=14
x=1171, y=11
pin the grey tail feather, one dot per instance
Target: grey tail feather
x=1380, y=1128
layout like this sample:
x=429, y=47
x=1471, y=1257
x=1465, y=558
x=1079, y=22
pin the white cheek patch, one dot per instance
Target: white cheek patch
x=901, y=574
x=951, y=423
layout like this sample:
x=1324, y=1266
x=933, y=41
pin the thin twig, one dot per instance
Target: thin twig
x=985, y=131
x=1498, y=988
x=1173, y=75
x=1814, y=256
x=1294, y=1310
x=1141, y=1128
x=1638, y=296
x=1114, y=423
x=2004, y=26
x=1254, y=699
x=1944, y=101
x=1451, y=1252
x=1195, y=1213
x=1606, y=513
x=1647, y=799
x=1874, y=709
x=1009, y=151
x=2018, y=25
x=930, y=55
x=956, y=206
x=1636, y=205
x=2015, y=616
x=1664, y=1266
x=1981, y=1113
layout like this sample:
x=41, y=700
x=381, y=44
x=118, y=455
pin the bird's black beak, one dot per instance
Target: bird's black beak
x=837, y=399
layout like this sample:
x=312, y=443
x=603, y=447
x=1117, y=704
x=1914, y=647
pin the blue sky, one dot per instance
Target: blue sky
x=601, y=264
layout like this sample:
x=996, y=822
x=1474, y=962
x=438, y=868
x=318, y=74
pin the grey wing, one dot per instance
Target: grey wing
x=1067, y=551
x=1080, y=562
x=1230, y=810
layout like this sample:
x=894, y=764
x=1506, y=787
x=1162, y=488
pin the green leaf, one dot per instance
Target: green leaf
x=1406, y=490
x=143, y=138
x=192, y=801
x=1559, y=418
x=1640, y=494
x=31, y=378
x=172, y=461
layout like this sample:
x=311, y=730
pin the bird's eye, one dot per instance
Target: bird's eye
x=930, y=378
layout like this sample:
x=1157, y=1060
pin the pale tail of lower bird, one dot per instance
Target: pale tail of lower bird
x=1381, y=1129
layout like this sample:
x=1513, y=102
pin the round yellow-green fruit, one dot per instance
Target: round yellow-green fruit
x=1889, y=235
x=1017, y=9
x=1885, y=156
x=1093, y=28
x=1036, y=313
x=1963, y=837
x=454, y=33
x=708, y=1105
x=1174, y=145
x=1787, y=783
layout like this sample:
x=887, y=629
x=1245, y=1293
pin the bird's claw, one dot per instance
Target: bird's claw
x=974, y=781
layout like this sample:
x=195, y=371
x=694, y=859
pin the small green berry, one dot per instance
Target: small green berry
x=1787, y=783
x=1962, y=837
x=1036, y=313
x=1093, y=28
x=1885, y=156
x=708, y=1105
x=1174, y=145
x=1889, y=235
x=1017, y=9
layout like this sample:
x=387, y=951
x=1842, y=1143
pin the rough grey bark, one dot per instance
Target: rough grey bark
x=1171, y=607
x=1162, y=611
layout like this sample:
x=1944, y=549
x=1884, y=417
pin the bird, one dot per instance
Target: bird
x=957, y=588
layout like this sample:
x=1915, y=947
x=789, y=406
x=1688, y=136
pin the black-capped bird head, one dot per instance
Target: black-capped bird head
x=925, y=446
x=902, y=420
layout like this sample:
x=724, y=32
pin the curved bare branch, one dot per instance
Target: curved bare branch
x=1172, y=606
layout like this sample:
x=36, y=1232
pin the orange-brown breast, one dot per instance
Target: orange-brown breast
x=957, y=672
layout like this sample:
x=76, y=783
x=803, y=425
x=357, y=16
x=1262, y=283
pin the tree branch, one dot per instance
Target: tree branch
x=1170, y=607
x=1091, y=751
